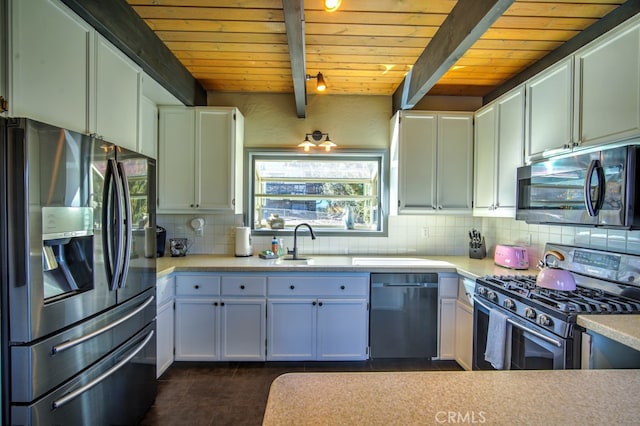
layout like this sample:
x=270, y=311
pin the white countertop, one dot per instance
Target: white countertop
x=463, y=265
x=545, y=397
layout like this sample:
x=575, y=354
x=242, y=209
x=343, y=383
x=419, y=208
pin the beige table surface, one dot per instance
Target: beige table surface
x=560, y=397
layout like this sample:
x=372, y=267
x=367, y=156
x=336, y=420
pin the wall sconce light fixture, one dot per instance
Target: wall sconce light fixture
x=321, y=86
x=331, y=5
x=317, y=135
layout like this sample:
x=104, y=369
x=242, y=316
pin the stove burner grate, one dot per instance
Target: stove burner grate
x=583, y=300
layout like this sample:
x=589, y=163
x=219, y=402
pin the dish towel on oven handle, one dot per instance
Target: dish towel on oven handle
x=496, y=339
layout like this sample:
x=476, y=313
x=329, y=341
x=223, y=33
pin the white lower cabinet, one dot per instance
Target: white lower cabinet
x=220, y=317
x=283, y=316
x=447, y=293
x=311, y=317
x=164, y=323
x=464, y=335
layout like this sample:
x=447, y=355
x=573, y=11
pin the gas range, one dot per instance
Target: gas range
x=602, y=278
x=552, y=309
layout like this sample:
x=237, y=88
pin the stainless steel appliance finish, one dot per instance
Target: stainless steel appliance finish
x=541, y=323
x=404, y=315
x=597, y=188
x=78, y=292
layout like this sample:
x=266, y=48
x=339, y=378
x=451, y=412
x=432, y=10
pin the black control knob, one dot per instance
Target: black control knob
x=530, y=313
x=544, y=320
x=509, y=304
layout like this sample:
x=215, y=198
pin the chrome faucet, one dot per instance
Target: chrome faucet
x=294, y=252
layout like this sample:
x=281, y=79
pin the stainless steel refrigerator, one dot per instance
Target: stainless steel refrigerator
x=77, y=249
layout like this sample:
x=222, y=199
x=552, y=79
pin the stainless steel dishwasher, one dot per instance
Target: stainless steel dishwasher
x=403, y=319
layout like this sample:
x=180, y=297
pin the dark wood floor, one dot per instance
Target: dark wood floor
x=236, y=393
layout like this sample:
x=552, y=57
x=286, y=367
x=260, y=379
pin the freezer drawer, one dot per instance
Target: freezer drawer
x=65, y=354
x=117, y=390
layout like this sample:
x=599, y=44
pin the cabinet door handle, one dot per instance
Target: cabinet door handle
x=192, y=205
x=215, y=303
x=342, y=287
x=313, y=303
x=221, y=303
x=241, y=286
x=196, y=286
x=319, y=303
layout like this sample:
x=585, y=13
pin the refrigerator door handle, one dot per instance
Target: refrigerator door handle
x=126, y=222
x=73, y=394
x=71, y=343
x=112, y=238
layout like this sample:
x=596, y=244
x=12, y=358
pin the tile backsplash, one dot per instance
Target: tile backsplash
x=408, y=235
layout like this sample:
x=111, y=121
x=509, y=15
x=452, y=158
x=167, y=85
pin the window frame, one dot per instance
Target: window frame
x=379, y=155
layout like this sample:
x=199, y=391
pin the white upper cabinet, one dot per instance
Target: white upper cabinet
x=219, y=138
x=200, y=157
x=499, y=131
x=176, y=158
x=117, y=100
x=50, y=64
x=550, y=111
x=62, y=72
x=148, y=137
x=607, y=79
x=424, y=147
x=3, y=65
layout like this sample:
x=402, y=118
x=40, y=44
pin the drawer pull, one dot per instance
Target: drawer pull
x=196, y=286
x=215, y=303
x=221, y=303
x=292, y=287
x=242, y=287
x=342, y=287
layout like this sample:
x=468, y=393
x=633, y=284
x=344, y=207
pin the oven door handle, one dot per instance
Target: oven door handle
x=71, y=395
x=522, y=327
x=71, y=343
x=535, y=333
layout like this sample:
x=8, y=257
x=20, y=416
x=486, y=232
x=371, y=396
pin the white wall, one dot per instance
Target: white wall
x=271, y=120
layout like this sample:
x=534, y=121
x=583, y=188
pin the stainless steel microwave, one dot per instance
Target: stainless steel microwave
x=595, y=188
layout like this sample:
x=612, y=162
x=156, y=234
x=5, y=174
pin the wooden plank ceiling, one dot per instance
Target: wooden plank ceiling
x=364, y=48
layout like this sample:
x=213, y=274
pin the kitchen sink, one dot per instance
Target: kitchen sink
x=288, y=260
x=396, y=261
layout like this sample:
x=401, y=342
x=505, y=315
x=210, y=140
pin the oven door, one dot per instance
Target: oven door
x=527, y=346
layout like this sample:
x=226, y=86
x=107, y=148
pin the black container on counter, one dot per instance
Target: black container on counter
x=161, y=240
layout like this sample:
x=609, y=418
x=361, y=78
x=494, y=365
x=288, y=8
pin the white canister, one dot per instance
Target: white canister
x=244, y=246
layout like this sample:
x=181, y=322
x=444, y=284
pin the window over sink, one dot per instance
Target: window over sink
x=337, y=194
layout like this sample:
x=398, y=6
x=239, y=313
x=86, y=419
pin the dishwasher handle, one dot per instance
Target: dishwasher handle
x=405, y=285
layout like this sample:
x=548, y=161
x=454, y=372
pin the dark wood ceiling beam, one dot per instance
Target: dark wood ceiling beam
x=116, y=21
x=294, y=23
x=468, y=20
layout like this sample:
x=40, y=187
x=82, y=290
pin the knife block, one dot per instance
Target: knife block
x=479, y=252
